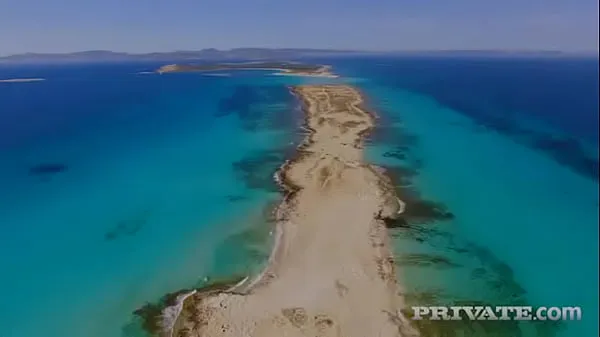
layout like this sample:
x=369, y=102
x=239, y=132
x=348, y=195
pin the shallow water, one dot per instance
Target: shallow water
x=524, y=227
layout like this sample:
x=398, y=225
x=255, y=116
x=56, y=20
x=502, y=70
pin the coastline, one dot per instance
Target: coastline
x=22, y=80
x=288, y=73
x=308, y=288
x=284, y=69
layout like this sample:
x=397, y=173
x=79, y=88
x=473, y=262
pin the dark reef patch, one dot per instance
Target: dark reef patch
x=417, y=210
x=399, y=222
x=568, y=151
x=266, y=107
x=486, y=272
x=128, y=227
x=391, y=135
x=150, y=313
x=497, y=274
x=401, y=175
x=285, y=113
x=256, y=169
x=236, y=198
x=240, y=103
x=399, y=153
x=491, y=275
x=46, y=169
x=430, y=234
x=425, y=260
x=424, y=210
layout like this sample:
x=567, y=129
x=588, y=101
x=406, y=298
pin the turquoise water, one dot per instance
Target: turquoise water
x=159, y=178
x=524, y=230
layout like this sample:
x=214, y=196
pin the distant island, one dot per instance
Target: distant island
x=284, y=68
x=18, y=80
x=261, y=54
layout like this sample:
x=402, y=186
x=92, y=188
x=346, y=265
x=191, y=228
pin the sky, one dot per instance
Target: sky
x=169, y=25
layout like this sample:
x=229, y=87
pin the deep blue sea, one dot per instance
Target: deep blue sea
x=118, y=187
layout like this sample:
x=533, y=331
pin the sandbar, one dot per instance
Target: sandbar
x=20, y=80
x=283, y=68
x=331, y=273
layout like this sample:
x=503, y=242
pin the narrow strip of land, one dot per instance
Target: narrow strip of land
x=20, y=80
x=283, y=68
x=332, y=272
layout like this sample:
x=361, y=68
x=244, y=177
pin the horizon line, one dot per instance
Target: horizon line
x=488, y=50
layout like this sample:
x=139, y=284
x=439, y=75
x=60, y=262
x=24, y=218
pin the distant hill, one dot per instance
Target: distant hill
x=261, y=54
x=204, y=54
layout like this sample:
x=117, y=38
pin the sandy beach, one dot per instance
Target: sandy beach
x=331, y=273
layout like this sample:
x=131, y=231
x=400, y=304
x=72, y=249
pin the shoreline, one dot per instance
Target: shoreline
x=260, y=306
x=21, y=80
x=284, y=69
x=289, y=73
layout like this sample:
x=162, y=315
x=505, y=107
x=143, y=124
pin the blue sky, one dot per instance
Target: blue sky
x=152, y=25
